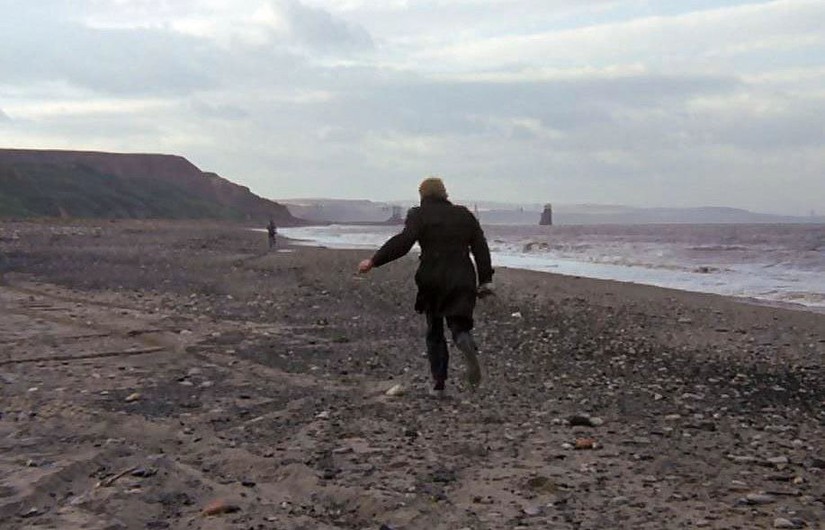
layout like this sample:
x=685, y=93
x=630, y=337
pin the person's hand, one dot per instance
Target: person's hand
x=365, y=266
x=485, y=290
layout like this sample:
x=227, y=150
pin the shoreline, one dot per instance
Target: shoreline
x=749, y=300
x=209, y=368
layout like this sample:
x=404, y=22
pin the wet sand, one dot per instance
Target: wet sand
x=148, y=369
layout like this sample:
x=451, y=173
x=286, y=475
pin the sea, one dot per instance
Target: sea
x=780, y=264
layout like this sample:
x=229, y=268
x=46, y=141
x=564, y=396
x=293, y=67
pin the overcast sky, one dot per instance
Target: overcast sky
x=639, y=102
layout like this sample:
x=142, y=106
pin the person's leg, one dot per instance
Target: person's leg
x=437, y=351
x=461, y=328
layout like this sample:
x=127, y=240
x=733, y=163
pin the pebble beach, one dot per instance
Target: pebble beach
x=180, y=375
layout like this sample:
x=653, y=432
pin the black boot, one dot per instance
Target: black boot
x=464, y=342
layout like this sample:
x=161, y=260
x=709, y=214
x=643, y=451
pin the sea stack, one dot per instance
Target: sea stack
x=397, y=215
x=547, y=215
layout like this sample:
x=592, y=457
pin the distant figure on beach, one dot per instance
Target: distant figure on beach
x=448, y=284
x=271, y=230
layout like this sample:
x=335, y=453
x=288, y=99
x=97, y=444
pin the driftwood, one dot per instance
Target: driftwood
x=106, y=482
x=60, y=358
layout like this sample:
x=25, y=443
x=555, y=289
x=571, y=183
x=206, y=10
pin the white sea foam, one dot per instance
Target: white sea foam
x=772, y=263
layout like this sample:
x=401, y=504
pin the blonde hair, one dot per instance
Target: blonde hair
x=432, y=187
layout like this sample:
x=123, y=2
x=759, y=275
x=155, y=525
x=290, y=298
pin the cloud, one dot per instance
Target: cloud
x=714, y=36
x=4, y=116
x=287, y=23
x=109, y=52
x=114, y=61
x=616, y=101
x=219, y=111
x=318, y=29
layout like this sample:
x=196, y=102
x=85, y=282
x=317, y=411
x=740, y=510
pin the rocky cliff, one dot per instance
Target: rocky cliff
x=36, y=183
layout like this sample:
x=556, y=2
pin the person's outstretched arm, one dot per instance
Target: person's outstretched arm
x=481, y=255
x=398, y=245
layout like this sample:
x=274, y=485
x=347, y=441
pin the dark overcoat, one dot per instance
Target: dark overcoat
x=446, y=279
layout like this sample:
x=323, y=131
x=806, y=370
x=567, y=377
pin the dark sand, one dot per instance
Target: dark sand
x=204, y=367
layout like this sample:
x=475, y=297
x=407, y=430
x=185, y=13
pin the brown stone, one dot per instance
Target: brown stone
x=220, y=507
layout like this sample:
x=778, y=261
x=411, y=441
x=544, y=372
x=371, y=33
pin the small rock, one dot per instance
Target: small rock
x=248, y=483
x=584, y=421
x=322, y=415
x=143, y=472
x=585, y=443
x=517, y=314
x=757, y=499
x=781, y=522
x=778, y=460
x=738, y=485
x=532, y=510
x=132, y=397
x=395, y=391
x=219, y=507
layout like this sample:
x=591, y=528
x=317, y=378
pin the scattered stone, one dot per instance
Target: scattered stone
x=443, y=476
x=742, y=459
x=585, y=443
x=395, y=391
x=541, y=484
x=781, y=522
x=220, y=507
x=778, y=460
x=818, y=463
x=144, y=472
x=706, y=426
x=584, y=421
x=132, y=397
x=324, y=414
x=757, y=499
x=532, y=510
